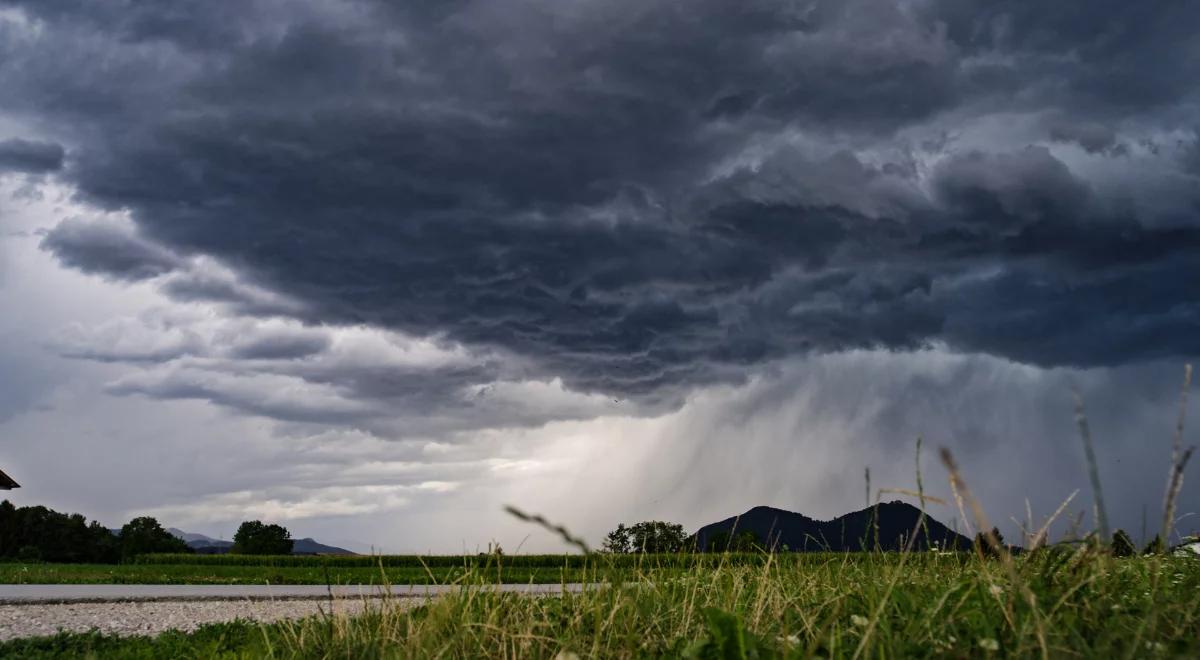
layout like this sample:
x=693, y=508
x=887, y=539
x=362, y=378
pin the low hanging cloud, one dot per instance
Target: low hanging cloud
x=286, y=504
x=108, y=248
x=323, y=376
x=17, y=155
x=642, y=212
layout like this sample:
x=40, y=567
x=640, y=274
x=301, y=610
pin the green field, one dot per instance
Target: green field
x=218, y=574
x=396, y=569
x=1072, y=602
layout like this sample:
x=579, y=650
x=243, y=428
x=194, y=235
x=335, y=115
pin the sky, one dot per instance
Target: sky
x=375, y=270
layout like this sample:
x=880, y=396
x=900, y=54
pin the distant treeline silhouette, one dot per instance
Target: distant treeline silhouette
x=36, y=533
x=890, y=526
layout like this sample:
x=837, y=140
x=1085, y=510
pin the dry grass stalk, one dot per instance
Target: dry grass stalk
x=1173, y=487
x=1179, y=459
x=1039, y=538
x=1089, y=453
x=560, y=530
x=960, y=486
x=867, y=476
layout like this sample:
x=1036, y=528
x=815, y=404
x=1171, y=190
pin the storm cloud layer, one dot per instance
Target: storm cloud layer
x=642, y=196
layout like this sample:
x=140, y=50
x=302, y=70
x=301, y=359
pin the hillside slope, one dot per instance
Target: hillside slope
x=853, y=531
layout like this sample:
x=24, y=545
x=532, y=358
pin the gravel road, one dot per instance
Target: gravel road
x=153, y=617
x=19, y=594
x=30, y=610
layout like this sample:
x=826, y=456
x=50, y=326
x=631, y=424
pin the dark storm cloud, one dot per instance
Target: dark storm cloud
x=281, y=346
x=1006, y=191
x=632, y=195
x=109, y=249
x=1112, y=58
x=18, y=155
x=1093, y=137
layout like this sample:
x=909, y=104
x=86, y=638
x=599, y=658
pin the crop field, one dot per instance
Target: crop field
x=269, y=574
x=1073, y=601
x=395, y=569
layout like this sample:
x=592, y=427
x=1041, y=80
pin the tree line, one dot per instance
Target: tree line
x=656, y=536
x=36, y=533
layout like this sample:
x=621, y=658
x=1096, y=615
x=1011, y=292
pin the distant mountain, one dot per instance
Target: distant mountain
x=311, y=547
x=851, y=532
x=208, y=545
x=190, y=537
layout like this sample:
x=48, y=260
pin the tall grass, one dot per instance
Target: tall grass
x=1084, y=604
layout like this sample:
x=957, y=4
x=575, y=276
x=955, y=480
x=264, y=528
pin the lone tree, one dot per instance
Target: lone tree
x=649, y=537
x=1155, y=547
x=617, y=541
x=657, y=536
x=144, y=535
x=1122, y=544
x=255, y=538
x=984, y=547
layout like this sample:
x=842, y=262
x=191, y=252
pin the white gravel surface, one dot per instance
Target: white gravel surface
x=153, y=617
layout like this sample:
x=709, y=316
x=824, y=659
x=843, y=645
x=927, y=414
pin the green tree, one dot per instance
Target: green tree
x=984, y=548
x=1155, y=547
x=617, y=541
x=1122, y=544
x=36, y=532
x=650, y=536
x=144, y=535
x=255, y=538
x=743, y=541
x=656, y=536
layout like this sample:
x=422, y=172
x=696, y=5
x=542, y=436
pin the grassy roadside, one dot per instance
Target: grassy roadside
x=1050, y=604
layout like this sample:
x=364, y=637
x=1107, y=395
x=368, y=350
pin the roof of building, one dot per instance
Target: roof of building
x=6, y=482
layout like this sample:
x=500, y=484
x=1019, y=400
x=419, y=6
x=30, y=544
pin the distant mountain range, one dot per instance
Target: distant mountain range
x=207, y=545
x=855, y=531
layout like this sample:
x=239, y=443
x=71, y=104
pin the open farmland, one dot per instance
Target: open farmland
x=1057, y=602
x=402, y=569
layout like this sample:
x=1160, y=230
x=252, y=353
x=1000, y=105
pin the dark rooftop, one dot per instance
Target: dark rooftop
x=6, y=482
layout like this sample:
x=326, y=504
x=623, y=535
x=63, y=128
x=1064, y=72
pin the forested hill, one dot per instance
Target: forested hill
x=777, y=528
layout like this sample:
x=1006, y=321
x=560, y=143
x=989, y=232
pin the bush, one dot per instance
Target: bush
x=1122, y=544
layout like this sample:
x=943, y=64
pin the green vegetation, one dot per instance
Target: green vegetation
x=1058, y=601
x=651, y=536
x=144, y=535
x=35, y=533
x=743, y=541
x=1122, y=545
x=255, y=538
x=40, y=573
x=237, y=639
x=398, y=569
x=633, y=560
